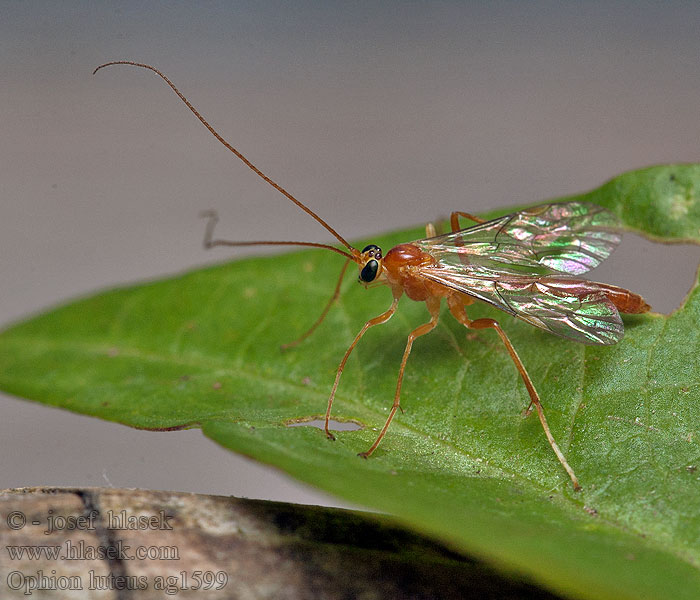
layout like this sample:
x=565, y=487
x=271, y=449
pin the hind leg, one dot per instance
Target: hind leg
x=459, y=312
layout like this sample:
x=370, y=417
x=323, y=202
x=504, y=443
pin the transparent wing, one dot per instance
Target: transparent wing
x=572, y=308
x=568, y=237
x=525, y=264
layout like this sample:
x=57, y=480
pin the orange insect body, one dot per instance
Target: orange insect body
x=527, y=264
x=399, y=264
x=627, y=302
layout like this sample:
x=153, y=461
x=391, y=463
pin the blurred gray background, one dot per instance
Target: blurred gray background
x=378, y=115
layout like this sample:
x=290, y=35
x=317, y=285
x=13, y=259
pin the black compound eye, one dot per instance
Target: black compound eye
x=373, y=250
x=369, y=271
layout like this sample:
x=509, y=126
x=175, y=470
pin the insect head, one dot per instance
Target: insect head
x=370, y=263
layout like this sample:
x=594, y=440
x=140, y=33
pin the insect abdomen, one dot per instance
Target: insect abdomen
x=625, y=301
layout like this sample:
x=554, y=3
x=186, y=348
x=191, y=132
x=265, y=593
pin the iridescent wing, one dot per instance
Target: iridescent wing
x=569, y=237
x=523, y=264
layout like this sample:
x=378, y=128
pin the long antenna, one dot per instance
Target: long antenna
x=210, y=242
x=215, y=133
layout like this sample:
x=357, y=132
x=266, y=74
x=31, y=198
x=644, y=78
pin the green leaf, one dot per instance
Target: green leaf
x=202, y=349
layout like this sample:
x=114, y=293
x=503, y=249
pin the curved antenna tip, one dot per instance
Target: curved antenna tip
x=123, y=62
x=102, y=66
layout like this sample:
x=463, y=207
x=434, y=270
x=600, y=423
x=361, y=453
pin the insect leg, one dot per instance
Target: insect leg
x=454, y=219
x=458, y=311
x=433, y=305
x=334, y=297
x=454, y=223
x=383, y=318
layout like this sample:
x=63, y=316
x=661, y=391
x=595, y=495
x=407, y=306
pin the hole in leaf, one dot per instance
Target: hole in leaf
x=333, y=425
x=662, y=273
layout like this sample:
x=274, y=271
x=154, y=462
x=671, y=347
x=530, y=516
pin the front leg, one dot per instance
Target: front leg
x=383, y=318
x=334, y=297
x=433, y=305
